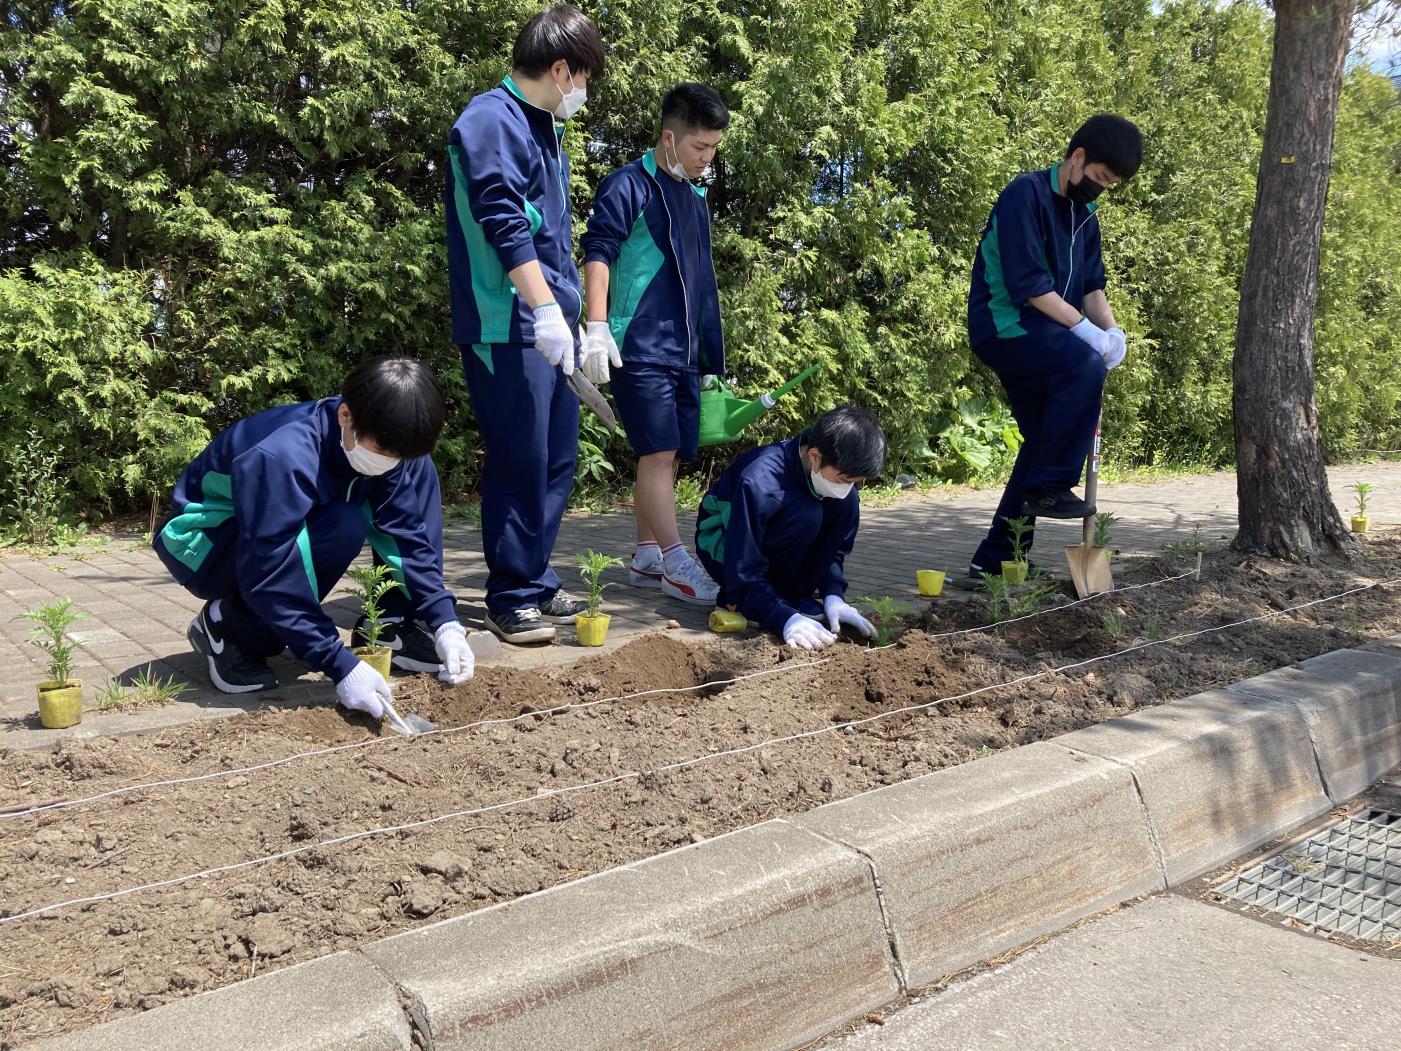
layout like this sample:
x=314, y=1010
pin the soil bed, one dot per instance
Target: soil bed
x=81, y=965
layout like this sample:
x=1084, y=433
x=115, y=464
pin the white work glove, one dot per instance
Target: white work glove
x=1118, y=346
x=804, y=633
x=553, y=338
x=364, y=690
x=1092, y=334
x=600, y=351
x=450, y=640
x=840, y=612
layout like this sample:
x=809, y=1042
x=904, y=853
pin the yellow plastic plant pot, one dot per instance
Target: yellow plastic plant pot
x=1014, y=572
x=591, y=629
x=930, y=581
x=61, y=703
x=1360, y=523
x=379, y=658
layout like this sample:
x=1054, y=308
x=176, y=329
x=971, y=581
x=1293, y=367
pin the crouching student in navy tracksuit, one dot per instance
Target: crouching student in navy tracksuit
x=516, y=302
x=1038, y=317
x=654, y=312
x=269, y=516
x=776, y=528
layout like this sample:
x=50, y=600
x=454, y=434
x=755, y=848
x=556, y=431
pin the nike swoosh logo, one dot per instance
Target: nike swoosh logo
x=215, y=644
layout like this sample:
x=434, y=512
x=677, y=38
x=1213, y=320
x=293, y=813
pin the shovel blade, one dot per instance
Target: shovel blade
x=1089, y=570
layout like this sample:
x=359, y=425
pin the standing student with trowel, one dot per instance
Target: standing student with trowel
x=654, y=313
x=270, y=515
x=1038, y=316
x=516, y=302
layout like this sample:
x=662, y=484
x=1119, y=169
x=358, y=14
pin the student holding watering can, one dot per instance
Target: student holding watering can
x=516, y=302
x=1039, y=318
x=654, y=316
x=776, y=528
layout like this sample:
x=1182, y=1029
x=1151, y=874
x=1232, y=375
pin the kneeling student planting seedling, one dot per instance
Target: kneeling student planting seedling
x=60, y=697
x=775, y=529
x=270, y=515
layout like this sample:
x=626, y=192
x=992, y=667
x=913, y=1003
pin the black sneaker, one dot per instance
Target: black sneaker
x=1063, y=504
x=562, y=608
x=519, y=626
x=230, y=669
x=412, y=644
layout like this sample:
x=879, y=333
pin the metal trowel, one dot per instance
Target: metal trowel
x=1089, y=565
x=408, y=726
x=592, y=397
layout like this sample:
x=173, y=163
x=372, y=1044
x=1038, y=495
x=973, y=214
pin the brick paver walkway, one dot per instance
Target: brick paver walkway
x=137, y=616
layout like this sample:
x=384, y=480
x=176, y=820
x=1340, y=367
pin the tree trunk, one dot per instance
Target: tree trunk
x=1285, y=508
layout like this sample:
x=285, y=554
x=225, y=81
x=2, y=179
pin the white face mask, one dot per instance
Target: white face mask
x=676, y=167
x=362, y=461
x=571, y=101
x=827, y=488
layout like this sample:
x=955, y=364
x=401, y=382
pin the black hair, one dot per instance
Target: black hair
x=559, y=32
x=397, y=404
x=694, y=107
x=849, y=439
x=1111, y=140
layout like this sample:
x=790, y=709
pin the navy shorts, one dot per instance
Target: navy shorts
x=659, y=407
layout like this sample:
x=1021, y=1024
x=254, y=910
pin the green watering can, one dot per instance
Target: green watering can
x=723, y=416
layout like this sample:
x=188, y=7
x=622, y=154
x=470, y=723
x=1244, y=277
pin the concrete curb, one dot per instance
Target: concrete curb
x=774, y=934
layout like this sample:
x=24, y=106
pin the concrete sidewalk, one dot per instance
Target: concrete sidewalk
x=137, y=615
x=1169, y=973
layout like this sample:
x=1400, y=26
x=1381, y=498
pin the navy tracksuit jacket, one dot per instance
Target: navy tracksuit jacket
x=507, y=202
x=1037, y=241
x=269, y=517
x=772, y=544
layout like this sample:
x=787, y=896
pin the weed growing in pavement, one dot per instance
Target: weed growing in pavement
x=886, y=616
x=146, y=688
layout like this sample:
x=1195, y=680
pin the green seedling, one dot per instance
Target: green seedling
x=1150, y=627
x=50, y=624
x=1020, y=527
x=1188, y=546
x=592, y=565
x=995, y=586
x=1112, y=624
x=886, y=616
x=146, y=688
x=372, y=584
x=1362, y=489
x=1103, y=521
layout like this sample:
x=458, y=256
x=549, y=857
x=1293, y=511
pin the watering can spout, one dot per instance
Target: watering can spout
x=724, y=416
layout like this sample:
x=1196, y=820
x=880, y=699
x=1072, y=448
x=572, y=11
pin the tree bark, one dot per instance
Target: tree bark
x=1285, y=507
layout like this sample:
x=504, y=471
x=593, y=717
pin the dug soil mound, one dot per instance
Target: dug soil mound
x=623, y=777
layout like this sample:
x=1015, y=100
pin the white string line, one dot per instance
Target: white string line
x=557, y=709
x=629, y=775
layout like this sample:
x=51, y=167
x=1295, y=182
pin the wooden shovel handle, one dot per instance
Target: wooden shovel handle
x=1091, y=486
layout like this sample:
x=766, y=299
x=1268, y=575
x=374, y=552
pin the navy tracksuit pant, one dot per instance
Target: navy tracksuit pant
x=528, y=416
x=1054, y=382
x=337, y=533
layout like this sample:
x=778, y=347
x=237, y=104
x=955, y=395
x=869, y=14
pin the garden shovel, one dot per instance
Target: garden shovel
x=411, y=726
x=1089, y=565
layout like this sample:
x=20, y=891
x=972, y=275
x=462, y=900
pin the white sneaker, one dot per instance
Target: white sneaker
x=690, y=583
x=645, y=574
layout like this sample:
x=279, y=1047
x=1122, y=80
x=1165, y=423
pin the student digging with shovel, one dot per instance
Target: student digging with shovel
x=1038, y=316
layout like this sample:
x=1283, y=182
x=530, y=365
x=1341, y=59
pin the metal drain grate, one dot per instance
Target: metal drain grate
x=1346, y=879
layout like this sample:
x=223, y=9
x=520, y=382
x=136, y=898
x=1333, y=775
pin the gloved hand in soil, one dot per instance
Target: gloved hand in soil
x=364, y=690
x=459, y=662
x=804, y=633
x=1118, y=346
x=600, y=351
x=840, y=612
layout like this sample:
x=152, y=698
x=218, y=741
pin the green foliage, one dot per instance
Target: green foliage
x=592, y=565
x=32, y=502
x=145, y=688
x=1188, y=546
x=1020, y=527
x=1104, y=520
x=372, y=583
x=887, y=615
x=51, y=622
x=1007, y=600
x=1363, y=490
x=211, y=207
x=1116, y=628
